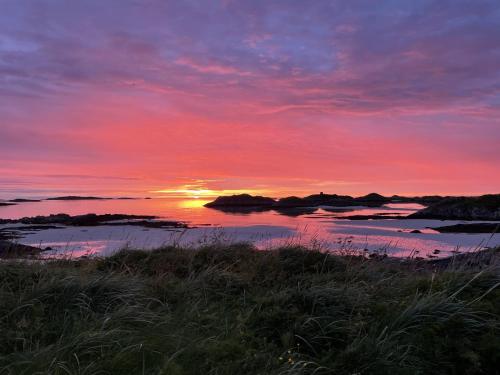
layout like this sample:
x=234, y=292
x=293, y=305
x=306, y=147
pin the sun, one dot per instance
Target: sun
x=194, y=191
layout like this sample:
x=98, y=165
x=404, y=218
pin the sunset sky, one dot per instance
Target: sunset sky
x=151, y=98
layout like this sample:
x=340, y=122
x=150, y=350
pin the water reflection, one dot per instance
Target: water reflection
x=322, y=225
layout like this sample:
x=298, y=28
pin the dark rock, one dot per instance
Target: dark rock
x=245, y=210
x=415, y=231
x=424, y=200
x=329, y=200
x=371, y=217
x=485, y=207
x=94, y=220
x=372, y=200
x=241, y=200
x=74, y=198
x=10, y=249
x=295, y=211
x=316, y=200
x=22, y=200
x=293, y=202
x=470, y=228
x=373, y=197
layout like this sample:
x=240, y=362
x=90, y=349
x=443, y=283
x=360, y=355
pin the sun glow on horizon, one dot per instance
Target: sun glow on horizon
x=203, y=193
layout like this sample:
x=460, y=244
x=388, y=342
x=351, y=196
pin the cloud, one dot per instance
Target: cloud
x=325, y=91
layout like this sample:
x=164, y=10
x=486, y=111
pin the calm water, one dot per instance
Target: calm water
x=265, y=229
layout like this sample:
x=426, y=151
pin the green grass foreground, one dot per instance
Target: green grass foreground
x=234, y=310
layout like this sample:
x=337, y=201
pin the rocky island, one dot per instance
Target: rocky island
x=75, y=198
x=242, y=200
x=24, y=200
x=247, y=201
x=485, y=207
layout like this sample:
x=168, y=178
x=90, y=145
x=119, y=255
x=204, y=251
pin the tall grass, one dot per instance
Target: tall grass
x=235, y=310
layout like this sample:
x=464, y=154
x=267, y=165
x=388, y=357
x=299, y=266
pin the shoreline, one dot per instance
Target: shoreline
x=392, y=227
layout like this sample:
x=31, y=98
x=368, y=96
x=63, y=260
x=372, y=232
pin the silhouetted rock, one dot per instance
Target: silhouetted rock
x=6, y=204
x=470, y=228
x=295, y=211
x=424, y=200
x=22, y=200
x=241, y=200
x=485, y=207
x=94, y=220
x=242, y=203
x=373, y=197
x=372, y=200
x=74, y=198
x=241, y=209
x=330, y=200
x=316, y=200
x=293, y=202
x=11, y=249
x=371, y=217
x=415, y=231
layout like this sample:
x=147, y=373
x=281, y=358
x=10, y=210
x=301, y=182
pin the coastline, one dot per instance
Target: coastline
x=374, y=229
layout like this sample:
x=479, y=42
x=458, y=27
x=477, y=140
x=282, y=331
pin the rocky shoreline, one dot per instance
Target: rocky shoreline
x=94, y=219
x=470, y=228
x=485, y=207
x=315, y=200
x=9, y=234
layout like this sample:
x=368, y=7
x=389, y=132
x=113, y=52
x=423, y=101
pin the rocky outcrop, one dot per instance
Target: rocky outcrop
x=371, y=217
x=470, y=228
x=94, y=220
x=10, y=249
x=425, y=200
x=333, y=200
x=241, y=200
x=74, y=198
x=372, y=200
x=485, y=207
x=315, y=200
x=23, y=200
x=294, y=202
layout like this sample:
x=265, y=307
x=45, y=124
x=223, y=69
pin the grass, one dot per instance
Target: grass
x=235, y=310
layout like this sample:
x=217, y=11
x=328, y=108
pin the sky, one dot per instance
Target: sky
x=273, y=97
